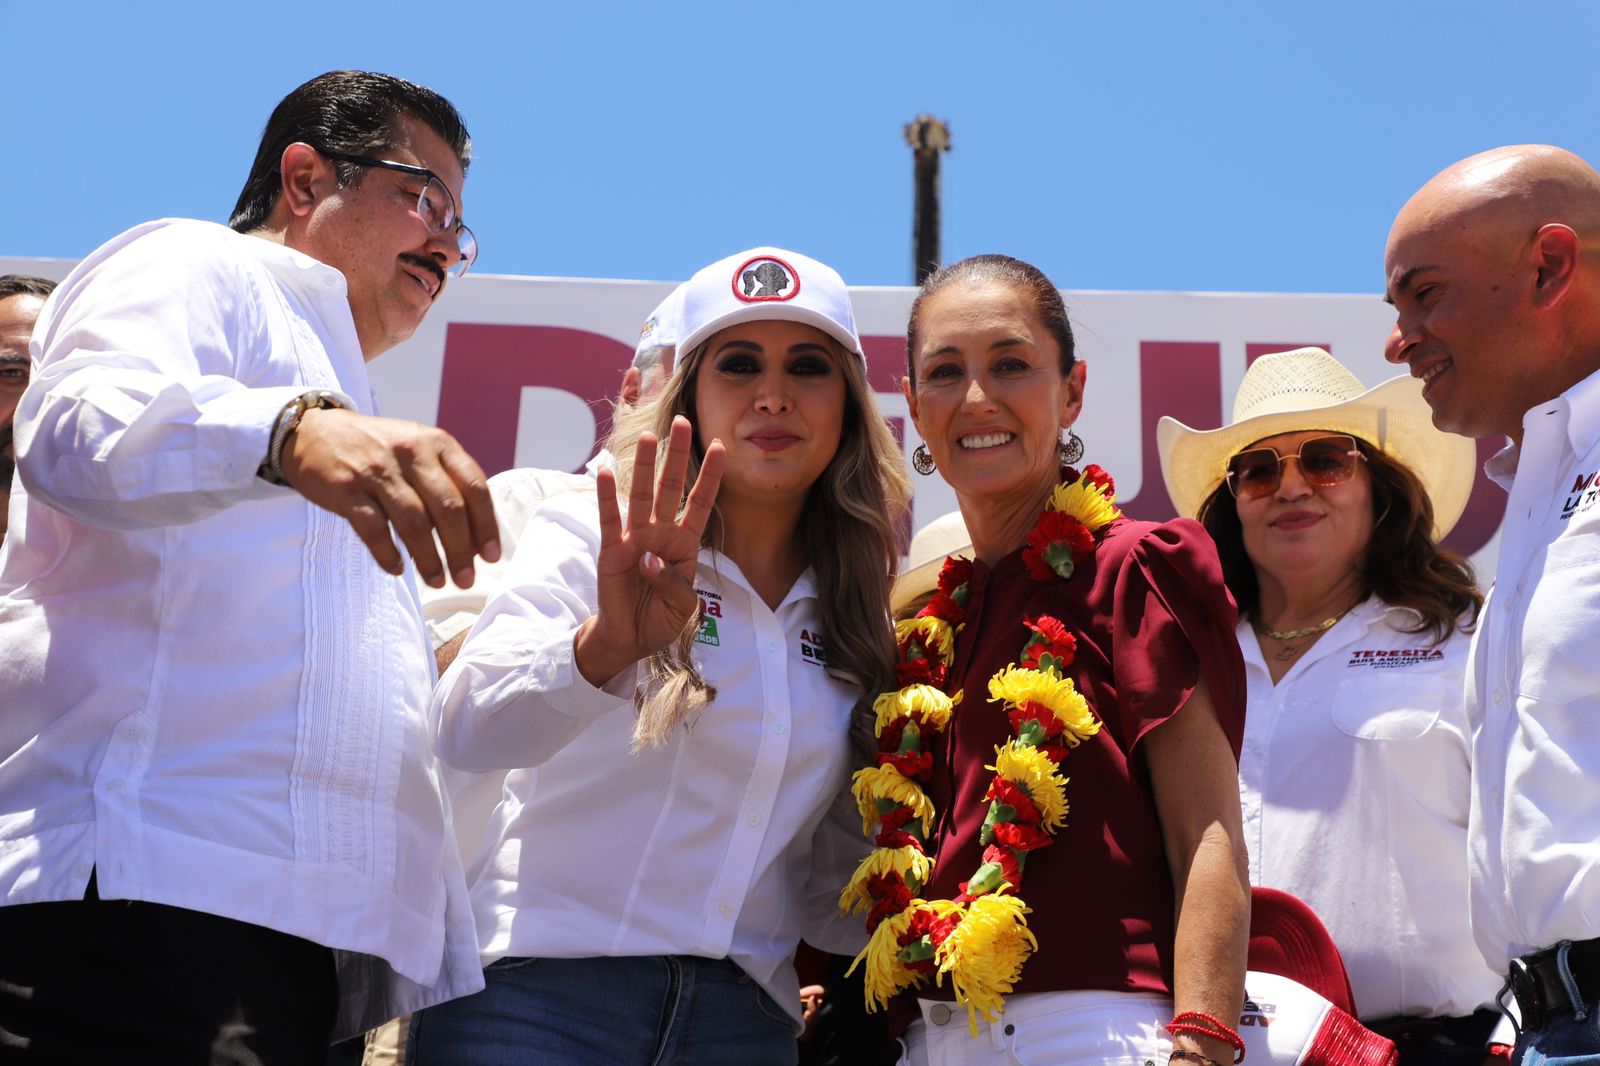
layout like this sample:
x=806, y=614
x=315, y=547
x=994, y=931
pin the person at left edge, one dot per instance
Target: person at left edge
x=644, y=906
x=215, y=692
x=21, y=298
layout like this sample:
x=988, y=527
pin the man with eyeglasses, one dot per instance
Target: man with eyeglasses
x=222, y=835
x=1493, y=268
x=21, y=297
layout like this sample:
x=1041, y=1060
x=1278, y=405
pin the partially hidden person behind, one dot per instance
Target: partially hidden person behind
x=222, y=834
x=671, y=677
x=22, y=297
x=1060, y=875
x=1327, y=501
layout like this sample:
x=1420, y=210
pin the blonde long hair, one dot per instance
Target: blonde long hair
x=847, y=530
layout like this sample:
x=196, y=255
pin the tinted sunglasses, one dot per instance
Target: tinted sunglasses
x=1324, y=461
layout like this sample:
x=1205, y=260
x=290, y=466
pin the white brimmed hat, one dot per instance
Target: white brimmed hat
x=945, y=536
x=1307, y=389
x=767, y=284
x=664, y=325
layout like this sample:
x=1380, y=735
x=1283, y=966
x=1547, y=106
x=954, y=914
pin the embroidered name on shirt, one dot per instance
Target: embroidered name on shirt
x=1390, y=658
x=811, y=648
x=1581, y=496
x=710, y=611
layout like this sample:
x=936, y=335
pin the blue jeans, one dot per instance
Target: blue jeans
x=1562, y=1041
x=658, y=1010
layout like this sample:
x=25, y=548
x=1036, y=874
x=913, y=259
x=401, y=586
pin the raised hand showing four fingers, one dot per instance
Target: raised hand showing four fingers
x=646, y=568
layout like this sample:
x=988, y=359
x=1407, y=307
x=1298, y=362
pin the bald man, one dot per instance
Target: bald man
x=1494, y=270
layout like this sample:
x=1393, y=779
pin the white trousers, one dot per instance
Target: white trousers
x=1045, y=1029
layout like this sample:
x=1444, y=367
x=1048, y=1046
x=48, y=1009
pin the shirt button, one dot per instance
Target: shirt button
x=778, y=728
x=755, y=819
x=1499, y=798
x=1499, y=697
x=132, y=733
x=939, y=1014
x=726, y=910
x=772, y=645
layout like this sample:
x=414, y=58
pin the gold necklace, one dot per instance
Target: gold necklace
x=1296, y=634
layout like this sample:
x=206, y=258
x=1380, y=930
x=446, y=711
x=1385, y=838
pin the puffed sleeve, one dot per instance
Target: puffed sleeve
x=1173, y=622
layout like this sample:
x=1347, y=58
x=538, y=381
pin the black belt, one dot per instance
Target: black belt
x=1541, y=990
x=1473, y=1030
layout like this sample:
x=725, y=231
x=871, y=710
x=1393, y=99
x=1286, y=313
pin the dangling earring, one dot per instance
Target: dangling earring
x=922, y=460
x=1071, y=449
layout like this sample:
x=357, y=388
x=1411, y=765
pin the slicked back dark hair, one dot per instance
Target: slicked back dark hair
x=25, y=285
x=352, y=112
x=983, y=269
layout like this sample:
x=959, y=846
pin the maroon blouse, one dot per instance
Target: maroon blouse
x=1152, y=617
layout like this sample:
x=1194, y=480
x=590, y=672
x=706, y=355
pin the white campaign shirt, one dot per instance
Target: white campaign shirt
x=733, y=840
x=450, y=611
x=1534, y=691
x=1353, y=779
x=214, y=698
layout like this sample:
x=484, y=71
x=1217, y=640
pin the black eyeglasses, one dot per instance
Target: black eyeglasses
x=436, y=205
x=1324, y=462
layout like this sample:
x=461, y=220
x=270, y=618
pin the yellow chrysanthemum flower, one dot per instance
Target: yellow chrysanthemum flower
x=1016, y=685
x=924, y=701
x=984, y=955
x=1037, y=774
x=938, y=636
x=1086, y=503
x=886, y=975
x=909, y=863
x=885, y=782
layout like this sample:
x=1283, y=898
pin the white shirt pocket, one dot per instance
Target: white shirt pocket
x=1558, y=660
x=1379, y=703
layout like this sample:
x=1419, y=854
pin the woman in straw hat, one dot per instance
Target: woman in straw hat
x=1080, y=659
x=672, y=682
x=1327, y=501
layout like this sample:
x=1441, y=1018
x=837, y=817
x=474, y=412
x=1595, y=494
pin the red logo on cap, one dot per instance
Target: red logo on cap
x=765, y=279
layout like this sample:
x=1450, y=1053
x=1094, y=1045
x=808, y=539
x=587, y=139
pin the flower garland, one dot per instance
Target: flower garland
x=980, y=938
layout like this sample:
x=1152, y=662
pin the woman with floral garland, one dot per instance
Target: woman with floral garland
x=672, y=688
x=1083, y=659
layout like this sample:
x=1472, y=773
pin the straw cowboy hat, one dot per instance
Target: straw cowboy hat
x=944, y=536
x=1306, y=389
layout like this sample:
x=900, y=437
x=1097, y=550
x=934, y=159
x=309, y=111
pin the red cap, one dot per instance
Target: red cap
x=1287, y=938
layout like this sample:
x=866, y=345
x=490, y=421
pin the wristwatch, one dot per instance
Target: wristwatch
x=287, y=422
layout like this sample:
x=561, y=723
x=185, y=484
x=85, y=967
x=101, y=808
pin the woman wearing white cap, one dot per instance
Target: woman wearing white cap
x=671, y=682
x=1059, y=876
x=1326, y=501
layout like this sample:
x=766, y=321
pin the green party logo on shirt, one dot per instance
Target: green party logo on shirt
x=710, y=611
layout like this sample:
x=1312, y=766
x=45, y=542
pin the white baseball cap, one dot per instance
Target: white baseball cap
x=767, y=284
x=664, y=325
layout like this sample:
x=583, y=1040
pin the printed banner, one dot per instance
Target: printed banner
x=521, y=371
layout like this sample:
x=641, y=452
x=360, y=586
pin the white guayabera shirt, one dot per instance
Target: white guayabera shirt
x=728, y=842
x=1534, y=690
x=214, y=698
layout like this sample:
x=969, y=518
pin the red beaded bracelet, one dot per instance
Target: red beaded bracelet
x=1201, y=1024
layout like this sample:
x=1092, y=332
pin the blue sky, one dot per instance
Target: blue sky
x=1231, y=147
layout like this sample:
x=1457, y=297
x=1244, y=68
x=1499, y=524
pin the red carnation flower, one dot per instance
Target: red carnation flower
x=955, y=573
x=924, y=923
x=896, y=838
x=916, y=765
x=1033, y=712
x=890, y=895
x=1050, y=645
x=1019, y=836
x=943, y=606
x=897, y=817
x=1096, y=475
x=1009, y=793
x=1006, y=859
x=890, y=737
x=1056, y=544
